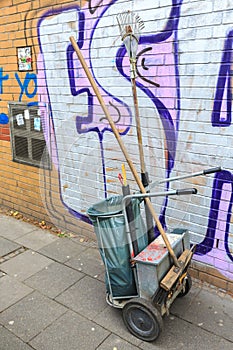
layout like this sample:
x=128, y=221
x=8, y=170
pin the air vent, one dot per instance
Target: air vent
x=28, y=126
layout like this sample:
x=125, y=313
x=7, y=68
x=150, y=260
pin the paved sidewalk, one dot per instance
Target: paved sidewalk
x=52, y=297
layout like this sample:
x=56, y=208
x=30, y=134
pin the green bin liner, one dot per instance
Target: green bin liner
x=112, y=241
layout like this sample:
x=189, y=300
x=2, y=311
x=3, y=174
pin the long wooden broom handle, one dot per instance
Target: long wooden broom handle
x=138, y=126
x=123, y=148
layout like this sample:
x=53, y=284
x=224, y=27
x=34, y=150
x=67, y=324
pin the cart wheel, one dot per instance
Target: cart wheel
x=142, y=319
x=187, y=286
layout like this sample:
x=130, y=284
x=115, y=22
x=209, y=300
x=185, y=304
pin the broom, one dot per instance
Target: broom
x=130, y=25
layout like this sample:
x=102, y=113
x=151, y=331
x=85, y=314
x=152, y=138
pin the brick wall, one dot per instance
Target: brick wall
x=186, y=48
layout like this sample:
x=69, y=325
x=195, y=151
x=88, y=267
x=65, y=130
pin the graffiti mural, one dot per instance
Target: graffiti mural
x=87, y=162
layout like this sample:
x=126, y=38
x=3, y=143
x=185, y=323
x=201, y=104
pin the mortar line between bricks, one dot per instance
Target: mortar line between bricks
x=204, y=329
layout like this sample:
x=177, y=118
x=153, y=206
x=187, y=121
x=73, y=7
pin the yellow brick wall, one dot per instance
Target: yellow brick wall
x=31, y=191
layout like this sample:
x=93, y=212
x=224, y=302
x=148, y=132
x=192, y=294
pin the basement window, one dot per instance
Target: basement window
x=27, y=125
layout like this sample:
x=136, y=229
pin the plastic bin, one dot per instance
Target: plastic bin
x=109, y=226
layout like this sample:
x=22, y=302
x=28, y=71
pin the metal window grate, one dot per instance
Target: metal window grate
x=27, y=125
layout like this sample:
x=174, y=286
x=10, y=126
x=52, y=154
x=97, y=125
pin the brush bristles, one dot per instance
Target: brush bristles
x=129, y=19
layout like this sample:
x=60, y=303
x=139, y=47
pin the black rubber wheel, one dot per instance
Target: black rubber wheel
x=187, y=286
x=142, y=319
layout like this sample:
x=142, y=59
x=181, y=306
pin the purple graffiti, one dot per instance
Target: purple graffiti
x=89, y=123
x=218, y=198
x=93, y=8
x=223, y=118
x=93, y=121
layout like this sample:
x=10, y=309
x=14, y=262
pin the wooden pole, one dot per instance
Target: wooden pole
x=123, y=148
x=144, y=174
x=138, y=126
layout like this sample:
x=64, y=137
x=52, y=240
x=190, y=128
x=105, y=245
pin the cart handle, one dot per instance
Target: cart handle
x=187, y=176
x=186, y=191
x=212, y=170
x=183, y=191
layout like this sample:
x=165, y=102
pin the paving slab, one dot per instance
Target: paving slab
x=89, y=262
x=208, y=310
x=7, y=246
x=10, y=342
x=62, y=250
x=111, y=319
x=114, y=342
x=53, y=279
x=31, y=315
x=71, y=331
x=85, y=297
x=12, y=228
x=37, y=239
x=11, y=291
x=25, y=265
x=179, y=334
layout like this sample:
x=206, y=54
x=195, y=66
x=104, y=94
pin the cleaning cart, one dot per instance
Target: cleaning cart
x=134, y=283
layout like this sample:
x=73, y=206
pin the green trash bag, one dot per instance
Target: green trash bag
x=113, y=244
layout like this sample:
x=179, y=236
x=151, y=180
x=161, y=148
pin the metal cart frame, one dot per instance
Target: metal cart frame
x=143, y=315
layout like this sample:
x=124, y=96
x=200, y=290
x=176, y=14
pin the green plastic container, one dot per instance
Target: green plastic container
x=113, y=244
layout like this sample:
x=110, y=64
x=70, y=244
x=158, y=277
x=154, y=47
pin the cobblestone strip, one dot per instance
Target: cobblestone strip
x=12, y=255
